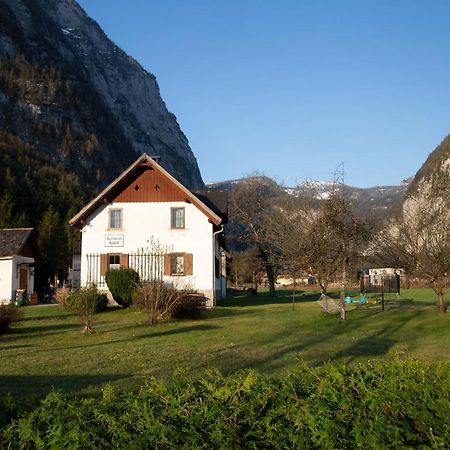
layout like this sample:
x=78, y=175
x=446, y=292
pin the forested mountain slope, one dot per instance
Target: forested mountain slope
x=75, y=110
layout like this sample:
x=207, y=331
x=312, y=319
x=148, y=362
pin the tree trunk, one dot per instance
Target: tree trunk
x=342, y=296
x=293, y=293
x=269, y=271
x=323, y=287
x=442, y=305
x=87, y=326
x=254, y=283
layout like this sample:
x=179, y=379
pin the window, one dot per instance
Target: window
x=177, y=218
x=114, y=262
x=177, y=264
x=115, y=218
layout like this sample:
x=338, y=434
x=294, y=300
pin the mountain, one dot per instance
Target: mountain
x=78, y=99
x=376, y=202
x=75, y=110
x=433, y=178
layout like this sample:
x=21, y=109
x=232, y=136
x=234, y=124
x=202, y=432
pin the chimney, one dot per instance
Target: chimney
x=157, y=159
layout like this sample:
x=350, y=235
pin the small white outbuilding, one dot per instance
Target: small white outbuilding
x=18, y=250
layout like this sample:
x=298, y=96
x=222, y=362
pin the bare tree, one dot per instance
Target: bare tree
x=244, y=266
x=322, y=240
x=252, y=205
x=348, y=235
x=419, y=241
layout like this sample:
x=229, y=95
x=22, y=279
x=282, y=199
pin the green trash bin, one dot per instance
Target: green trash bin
x=21, y=297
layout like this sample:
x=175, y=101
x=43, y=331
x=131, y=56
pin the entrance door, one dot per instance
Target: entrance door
x=23, y=281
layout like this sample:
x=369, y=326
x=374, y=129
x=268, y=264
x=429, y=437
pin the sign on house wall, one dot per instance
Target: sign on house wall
x=114, y=240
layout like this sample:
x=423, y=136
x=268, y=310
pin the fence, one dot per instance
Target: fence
x=149, y=266
x=387, y=284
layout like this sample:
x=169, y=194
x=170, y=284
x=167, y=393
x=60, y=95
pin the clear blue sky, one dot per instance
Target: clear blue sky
x=292, y=88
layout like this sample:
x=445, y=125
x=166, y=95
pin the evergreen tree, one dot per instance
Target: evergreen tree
x=53, y=244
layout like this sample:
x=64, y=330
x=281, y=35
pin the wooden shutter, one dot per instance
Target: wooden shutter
x=124, y=260
x=104, y=259
x=188, y=266
x=168, y=264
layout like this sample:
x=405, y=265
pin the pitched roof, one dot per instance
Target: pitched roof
x=144, y=159
x=216, y=200
x=12, y=240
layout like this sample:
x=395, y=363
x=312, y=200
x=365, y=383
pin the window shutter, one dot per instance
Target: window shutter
x=167, y=264
x=124, y=260
x=188, y=266
x=103, y=264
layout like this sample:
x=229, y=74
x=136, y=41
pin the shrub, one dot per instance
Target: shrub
x=156, y=299
x=189, y=306
x=122, y=283
x=101, y=300
x=8, y=315
x=388, y=405
x=86, y=302
x=61, y=296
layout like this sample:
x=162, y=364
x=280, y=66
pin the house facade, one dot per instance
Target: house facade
x=146, y=220
x=18, y=250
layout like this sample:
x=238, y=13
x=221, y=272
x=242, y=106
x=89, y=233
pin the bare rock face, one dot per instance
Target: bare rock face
x=106, y=84
x=430, y=187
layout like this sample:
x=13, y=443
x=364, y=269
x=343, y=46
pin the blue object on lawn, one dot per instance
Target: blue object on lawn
x=363, y=299
x=348, y=299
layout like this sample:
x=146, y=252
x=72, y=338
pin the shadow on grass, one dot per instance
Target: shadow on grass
x=138, y=337
x=24, y=331
x=265, y=298
x=375, y=344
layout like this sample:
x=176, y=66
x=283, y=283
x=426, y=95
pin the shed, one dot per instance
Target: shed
x=18, y=252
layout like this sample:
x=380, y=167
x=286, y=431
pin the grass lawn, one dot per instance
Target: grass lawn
x=262, y=332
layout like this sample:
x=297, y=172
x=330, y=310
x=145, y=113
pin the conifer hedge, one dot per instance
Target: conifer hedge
x=397, y=404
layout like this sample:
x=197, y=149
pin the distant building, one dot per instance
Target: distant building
x=18, y=252
x=147, y=220
x=376, y=276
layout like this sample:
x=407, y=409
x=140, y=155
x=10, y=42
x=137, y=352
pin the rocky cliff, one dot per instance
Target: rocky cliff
x=430, y=186
x=79, y=100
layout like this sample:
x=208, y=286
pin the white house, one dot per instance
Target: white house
x=18, y=249
x=147, y=220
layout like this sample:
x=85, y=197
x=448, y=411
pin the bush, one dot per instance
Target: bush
x=86, y=302
x=61, y=296
x=122, y=283
x=189, y=306
x=388, y=405
x=73, y=298
x=8, y=315
x=157, y=300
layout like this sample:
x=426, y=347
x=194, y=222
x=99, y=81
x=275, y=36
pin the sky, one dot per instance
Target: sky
x=293, y=88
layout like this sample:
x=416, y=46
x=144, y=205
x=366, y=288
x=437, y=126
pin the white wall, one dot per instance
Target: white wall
x=145, y=221
x=5, y=280
x=10, y=277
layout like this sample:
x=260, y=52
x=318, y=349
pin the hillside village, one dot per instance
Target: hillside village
x=141, y=307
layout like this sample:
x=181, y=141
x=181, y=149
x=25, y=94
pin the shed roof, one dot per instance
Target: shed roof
x=12, y=240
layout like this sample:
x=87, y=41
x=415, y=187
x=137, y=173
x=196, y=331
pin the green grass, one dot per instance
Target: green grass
x=262, y=332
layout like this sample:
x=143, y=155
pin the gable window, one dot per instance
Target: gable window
x=114, y=262
x=177, y=218
x=177, y=264
x=115, y=218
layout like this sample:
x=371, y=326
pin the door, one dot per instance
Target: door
x=23, y=280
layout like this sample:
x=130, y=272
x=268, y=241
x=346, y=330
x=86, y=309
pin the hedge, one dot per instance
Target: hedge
x=385, y=405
